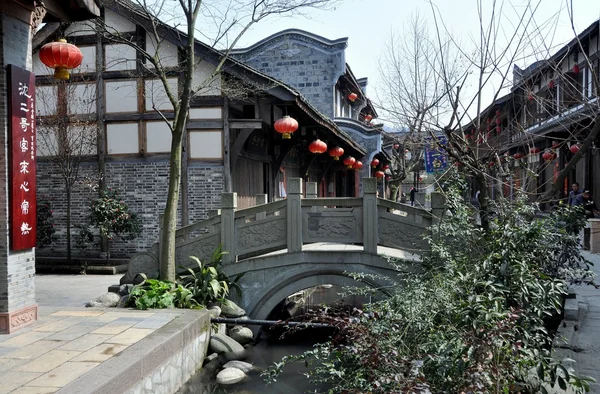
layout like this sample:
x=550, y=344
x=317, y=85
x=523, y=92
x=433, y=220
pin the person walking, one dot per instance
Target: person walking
x=413, y=191
x=575, y=198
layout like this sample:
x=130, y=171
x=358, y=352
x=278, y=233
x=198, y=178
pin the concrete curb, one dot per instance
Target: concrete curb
x=133, y=365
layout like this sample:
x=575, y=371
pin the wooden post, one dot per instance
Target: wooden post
x=294, y=215
x=228, y=206
x=261, y=199
x=370, y=215
x=226, y=147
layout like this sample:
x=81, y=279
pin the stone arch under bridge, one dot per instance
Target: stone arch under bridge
x=269, y=279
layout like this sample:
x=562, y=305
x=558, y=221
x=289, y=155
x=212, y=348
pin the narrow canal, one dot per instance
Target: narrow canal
x=271, y=349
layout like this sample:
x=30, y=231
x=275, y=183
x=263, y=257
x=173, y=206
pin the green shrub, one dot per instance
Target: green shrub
x=159, y=294
x=45, y=224
x=207, y=282
x=474, y=321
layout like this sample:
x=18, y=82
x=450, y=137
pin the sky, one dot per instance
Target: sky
x=367, y=23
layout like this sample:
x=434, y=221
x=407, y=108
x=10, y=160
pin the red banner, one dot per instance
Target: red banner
x=21, y=98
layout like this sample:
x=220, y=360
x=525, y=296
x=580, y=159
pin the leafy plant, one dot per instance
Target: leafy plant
x=111, y=216
x=207, y=282
x=45, y=226
x=157, y=294
x=473, y=321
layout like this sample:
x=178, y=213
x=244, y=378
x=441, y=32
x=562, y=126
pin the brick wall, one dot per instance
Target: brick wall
x=17, y=269
x=142, y=183
x=305, y=64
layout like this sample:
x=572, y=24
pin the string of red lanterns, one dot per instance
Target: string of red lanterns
x=374, y=163
x=349, y=161
x=352, y=97
x=317, y=147
x=358, y=165
x=336, y=153
x=286, y=126
x=379, y=174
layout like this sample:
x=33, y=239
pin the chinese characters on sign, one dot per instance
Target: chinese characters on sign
x=436, y=158
x=22, y=161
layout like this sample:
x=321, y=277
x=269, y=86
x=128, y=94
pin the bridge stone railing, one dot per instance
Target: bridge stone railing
x=295, y=221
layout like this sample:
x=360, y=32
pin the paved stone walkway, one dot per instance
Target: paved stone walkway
x=68, y=340
x=582, y=336
x=586, y=340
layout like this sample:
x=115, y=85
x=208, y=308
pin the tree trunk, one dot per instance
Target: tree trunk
x=167, y=252
x=484, y=212
x=68, y=193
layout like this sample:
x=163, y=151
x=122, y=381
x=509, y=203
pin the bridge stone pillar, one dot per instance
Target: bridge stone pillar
x=370, y=215
x=294, y=215
x=261, y=199
x=311, y=190
x=438, y=206
x=228, y=206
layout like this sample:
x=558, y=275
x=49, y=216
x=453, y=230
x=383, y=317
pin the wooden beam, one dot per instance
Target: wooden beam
x=245, y=123
x=137, y=116
x=206, y=123
x=286, y=146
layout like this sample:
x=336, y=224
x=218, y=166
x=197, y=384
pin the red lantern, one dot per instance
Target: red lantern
x=368, y=118
x=555, y=145
x=534, y=150
x=574, y=148
x=62, y=57
x=548, y=155
x=576, y=69
x=551, y=84
x=358, y=165
x=396, y=146
x=317, y=147
x=388, y=178
x=349, y=161
x=498, y=129
x=336, y=152
x=385, y=167
x=352, y=97
x=497, y=112
x=286, y=126
x=518, y=155
x=374, y=163
x=498, y=120
x=379, y=174
x=491, y=163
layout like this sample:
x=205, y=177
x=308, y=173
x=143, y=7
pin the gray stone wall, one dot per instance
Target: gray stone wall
x=17, y=270
x=142, y=184
x=308, y=66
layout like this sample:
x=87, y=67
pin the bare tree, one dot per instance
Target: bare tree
x=220, y=24
x=506, y=35
x=67, y=134
x=413, y=92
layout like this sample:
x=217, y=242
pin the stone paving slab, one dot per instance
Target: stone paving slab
x=585, y=341
x=65, y=344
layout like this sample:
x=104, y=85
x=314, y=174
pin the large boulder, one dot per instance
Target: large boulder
x=241, y=334
x=214, y=311
x=220, y=343
x=231, y=310
x=241, y=365
x=230, y=376
x=107, y=300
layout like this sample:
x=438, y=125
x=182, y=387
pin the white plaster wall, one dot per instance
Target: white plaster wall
x=119, y=57
x=167, y=52
x=117, y=22
x=156, y=96
x=203, y=83
x=206, y=113
x=158, y=137
x=121, y=96
x=122, y=138
x=206, y=144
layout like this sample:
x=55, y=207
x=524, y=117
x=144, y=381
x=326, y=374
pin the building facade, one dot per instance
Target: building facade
x=230, y=143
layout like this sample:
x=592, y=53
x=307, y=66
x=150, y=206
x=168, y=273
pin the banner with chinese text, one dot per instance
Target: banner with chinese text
x=21, y=98
x=436, y=158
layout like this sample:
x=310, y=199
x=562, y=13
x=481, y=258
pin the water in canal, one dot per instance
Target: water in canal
x=270, y=349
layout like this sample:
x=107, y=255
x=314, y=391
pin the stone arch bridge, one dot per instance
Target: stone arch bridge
x=287, y=246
